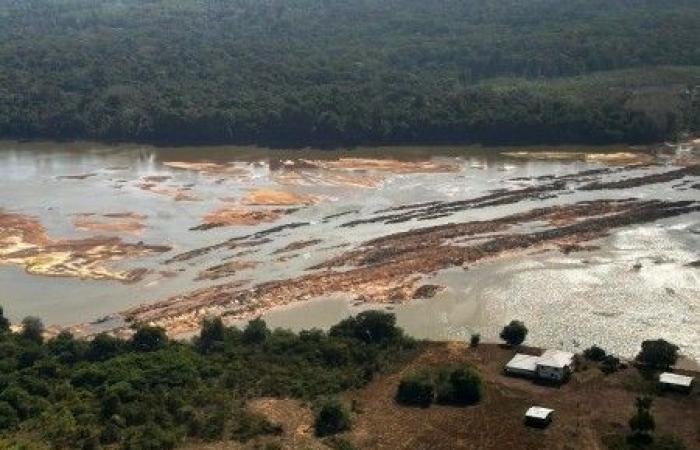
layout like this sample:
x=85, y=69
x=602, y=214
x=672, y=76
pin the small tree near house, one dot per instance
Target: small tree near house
x=658, y=354
x=642, y=422
x=514, y=333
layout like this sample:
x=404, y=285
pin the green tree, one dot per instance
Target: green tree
x=642, y=422
x=256, y=332
x=333, y=417
x=32, y=329
x=103, y=347
x=514, y=333
x=369, y=326
x=149, y=339
x=465, y=387
x=211, y=335
x=4, y=322
x=658, y=354
x=416, y=390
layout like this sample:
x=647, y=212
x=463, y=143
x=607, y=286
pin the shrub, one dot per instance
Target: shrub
x=149, y=339
x=658, y=354
x=610, y=364
x=33, y=329
x=332, y=418
x=104, y=347
x=372, y=327
x=458, y=386
x=514, y=333
x=474, y=340
x=256, y=332
x=416, y=390
x=211, y=336
x=642, y=423
x=594, y=353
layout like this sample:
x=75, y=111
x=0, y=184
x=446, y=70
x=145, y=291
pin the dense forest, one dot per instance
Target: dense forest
x=149, y=392
x=344, y=72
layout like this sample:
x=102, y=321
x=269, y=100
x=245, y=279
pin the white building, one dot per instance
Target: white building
x=552, y=365
x=538, y=416
x=677, y=382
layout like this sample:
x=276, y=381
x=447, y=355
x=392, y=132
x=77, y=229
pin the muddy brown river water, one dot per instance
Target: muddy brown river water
x=584, y=245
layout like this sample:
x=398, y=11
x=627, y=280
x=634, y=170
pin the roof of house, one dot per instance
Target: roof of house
x=556, y=358
x=675, y=379
x=523, y=362
x=538, y=412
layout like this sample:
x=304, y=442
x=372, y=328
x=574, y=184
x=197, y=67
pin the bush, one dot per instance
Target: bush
x=594, y=353
x=514, y=333
x=658, y=354
x=642, y=423
x=372, y=327
x=211, y=336
x=332, y=418
x=459, y=386
x=610, y=364
x=149, y=339
x=416, y=390
x=256, y=332
x=33, y=329
x=474, y=340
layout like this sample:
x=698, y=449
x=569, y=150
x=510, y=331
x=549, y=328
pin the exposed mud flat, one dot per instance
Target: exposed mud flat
x=271, y=197
x=610, y=158
x=230, y=216
x=24, y=242
x=130, y=223
x=306, y=231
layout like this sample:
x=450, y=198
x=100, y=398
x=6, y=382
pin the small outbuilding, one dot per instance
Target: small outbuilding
x=537, y=416
x=676, y=382
x=522, y=365
x=552, y=365
x=555, y=365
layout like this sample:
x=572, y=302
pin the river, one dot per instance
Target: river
x=88, y=231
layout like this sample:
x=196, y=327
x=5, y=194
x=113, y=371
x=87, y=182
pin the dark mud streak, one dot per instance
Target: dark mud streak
x=645, y=180
x=236, y=242
x=389, y=272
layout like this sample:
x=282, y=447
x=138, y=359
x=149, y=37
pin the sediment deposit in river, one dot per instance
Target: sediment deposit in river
x=129, y=235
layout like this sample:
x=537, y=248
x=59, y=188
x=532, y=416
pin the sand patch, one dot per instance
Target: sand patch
x=131, y=223
x=607, y=158
x=24, y=242
x=230, y=216
x=271, y=197
x=386, y=165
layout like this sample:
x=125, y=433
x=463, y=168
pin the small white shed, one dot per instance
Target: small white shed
x=538, y=416
x=555, y=365
x=676, y=382
x=523, y=365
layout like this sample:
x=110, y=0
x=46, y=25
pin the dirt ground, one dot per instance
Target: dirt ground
x=590, y=406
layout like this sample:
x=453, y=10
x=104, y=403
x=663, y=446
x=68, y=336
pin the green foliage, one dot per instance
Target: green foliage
x=33, y=329
x=594, y=353
x=212, y=334
x=149, y=339
x=150, y=392
x=462, y=387
x=610, y=364
x=416, y=390
x=376, y=327
x=658, y=354
x=458, y=386
x=332, y=418
x=346, y=72
x=474, y=340
x=4, y=322
x=642, y=422
x=255, y=332
x=514, y=333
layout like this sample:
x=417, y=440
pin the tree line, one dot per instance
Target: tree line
x=150, y=392
x=334, y=72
